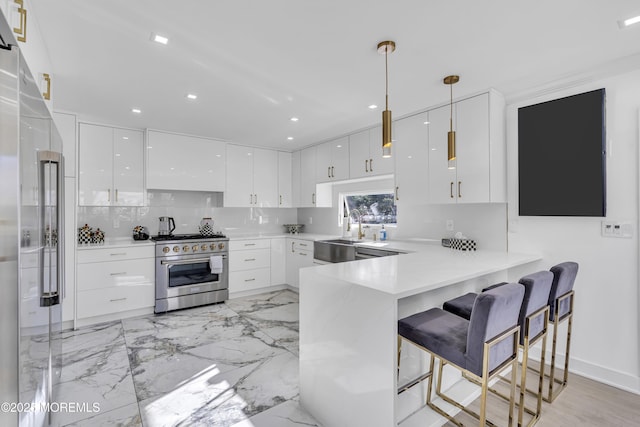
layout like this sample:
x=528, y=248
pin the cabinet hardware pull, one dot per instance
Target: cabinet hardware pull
x=292, y=250
x=255, y=199
x=459, y=193
x=109, y=195
x=47, y=78
x=250, y=259
x=22, y=30
x=332, y=175
x=117, y=299
x=116, y=195
x=397, y=198
x=313, y=198
x=118, y=254
x=328, y=171
x=302, y=244
x=366, y=165
x=302, y=253
x=281, y=199
x=249, y=244
x=451, y=190
x=249, y=280
x=370, y=165
x=119, y=274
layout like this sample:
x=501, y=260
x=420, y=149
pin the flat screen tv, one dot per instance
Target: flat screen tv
x=562, y=158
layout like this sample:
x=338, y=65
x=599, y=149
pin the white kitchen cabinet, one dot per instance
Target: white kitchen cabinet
x=252, y=179
x=296, y=176
x=249, y=265
x=111, y=171
x=365, y=154
x=411, y=136
x=185, y=163
x=299, y=255
x=278, y=261
x=32, y=46
x=113, y=280
x=332, y=160
x=308, y=178
x=66, y=124
x=285, y=174
x=478, y=175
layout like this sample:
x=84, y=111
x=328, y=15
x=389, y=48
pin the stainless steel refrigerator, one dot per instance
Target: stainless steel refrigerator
x=31, y=245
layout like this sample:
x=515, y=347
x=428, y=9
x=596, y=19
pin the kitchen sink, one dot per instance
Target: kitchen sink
x=342, y=250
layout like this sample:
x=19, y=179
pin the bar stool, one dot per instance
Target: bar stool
x=561, y=309
x=481, y=347
x=533, y=321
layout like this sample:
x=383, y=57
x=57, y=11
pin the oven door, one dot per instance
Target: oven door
x=188, y=275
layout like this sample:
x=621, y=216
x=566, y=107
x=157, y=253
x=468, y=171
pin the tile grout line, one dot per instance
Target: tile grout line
x=135, y=390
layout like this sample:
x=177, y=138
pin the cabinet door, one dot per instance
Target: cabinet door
x=296, y=176
x=66, y=124
x=278, y=261
x=340, y=159
x=128, y=168
x=442, y=180
x=95, y=152
x=265, y=178
x=308, y=177
x=284, y=180
x=379, y=165
x=472, y=134
x=412, y=159
x=359, y=154
x=239, y=187
x=323, y=162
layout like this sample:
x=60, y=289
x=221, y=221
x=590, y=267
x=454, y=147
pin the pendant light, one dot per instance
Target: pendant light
x=451, y=136
x=385, y=48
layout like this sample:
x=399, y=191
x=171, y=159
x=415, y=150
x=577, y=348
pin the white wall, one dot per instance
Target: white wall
x=605, y=341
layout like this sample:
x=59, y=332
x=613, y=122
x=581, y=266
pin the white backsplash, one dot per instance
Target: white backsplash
x=187, y=208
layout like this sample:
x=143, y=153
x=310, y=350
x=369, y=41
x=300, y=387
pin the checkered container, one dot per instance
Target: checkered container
x=463, y=244
x=84, y=235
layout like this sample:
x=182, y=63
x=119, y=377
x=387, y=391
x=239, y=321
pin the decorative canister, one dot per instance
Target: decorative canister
x=140, y=233
x=98, y=237
x=84, y=235
x=206, y=227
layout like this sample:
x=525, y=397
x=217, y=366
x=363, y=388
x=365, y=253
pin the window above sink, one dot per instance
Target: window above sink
x=375, y=207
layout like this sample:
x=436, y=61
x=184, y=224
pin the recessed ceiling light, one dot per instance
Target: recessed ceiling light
x=373, y=106
x=159, y=39
x=125, y=137
x=136, y=110
x=628, y=22
x=426, y=123
x=290, y=138
x=192, y=96
x=294, y=119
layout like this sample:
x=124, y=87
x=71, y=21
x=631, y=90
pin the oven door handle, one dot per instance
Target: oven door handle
x=188, y=261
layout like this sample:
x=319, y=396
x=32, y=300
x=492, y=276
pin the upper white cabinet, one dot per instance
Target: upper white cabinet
x=285, y=189
x=411, y=137
x=478, y=174
x=308, y=177
x=295, y=178
x=26, y=31
x=181, y=162
x=110, y=166
x=66, y=124
x=332, y=160
x=365, y=154
x=252, y=179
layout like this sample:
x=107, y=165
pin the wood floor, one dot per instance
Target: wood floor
x=584, y=403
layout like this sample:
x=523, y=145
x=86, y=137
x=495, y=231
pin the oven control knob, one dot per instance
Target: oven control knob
x=195, y=248
x=220, y=245
x=166, y=249
x=176, y=249
x=185, y=248
x=204, y=247
x=213, y=246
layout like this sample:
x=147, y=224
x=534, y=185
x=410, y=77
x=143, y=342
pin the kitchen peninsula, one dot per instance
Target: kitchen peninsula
x=348, y=324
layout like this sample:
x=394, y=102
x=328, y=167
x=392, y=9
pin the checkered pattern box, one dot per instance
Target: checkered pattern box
x=463, y=244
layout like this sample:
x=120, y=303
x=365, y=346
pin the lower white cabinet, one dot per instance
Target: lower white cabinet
x=249, y=265
x=278, y=261
x=299, y=255
x=111, y=280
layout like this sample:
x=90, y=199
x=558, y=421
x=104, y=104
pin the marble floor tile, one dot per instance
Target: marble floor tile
x=262, y=301
x=125, y=416
x=287, y=414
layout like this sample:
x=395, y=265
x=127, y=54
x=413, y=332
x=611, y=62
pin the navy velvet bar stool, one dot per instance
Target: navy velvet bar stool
x=481, y=347
x=561, y=309
x=533, y=321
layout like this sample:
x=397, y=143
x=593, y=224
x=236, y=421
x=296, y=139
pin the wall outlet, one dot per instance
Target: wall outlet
x=617, y=229
x=449, y=225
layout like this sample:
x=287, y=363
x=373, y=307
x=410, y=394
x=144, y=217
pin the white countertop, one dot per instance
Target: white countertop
x=115, y=242
x=428, y=267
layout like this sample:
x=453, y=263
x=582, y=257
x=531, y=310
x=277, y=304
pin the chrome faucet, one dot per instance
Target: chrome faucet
x=360, y=232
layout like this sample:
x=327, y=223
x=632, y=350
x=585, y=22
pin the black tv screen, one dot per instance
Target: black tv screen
x=561, y=157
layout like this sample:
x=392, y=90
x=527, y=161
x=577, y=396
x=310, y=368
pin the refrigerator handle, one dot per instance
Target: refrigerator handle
x=60, y=215
x=51, y=297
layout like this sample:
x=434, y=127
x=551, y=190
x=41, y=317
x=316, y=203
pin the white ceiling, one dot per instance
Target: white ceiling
x=256, y=63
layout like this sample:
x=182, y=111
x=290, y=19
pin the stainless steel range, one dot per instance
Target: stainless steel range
x=191, y=270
